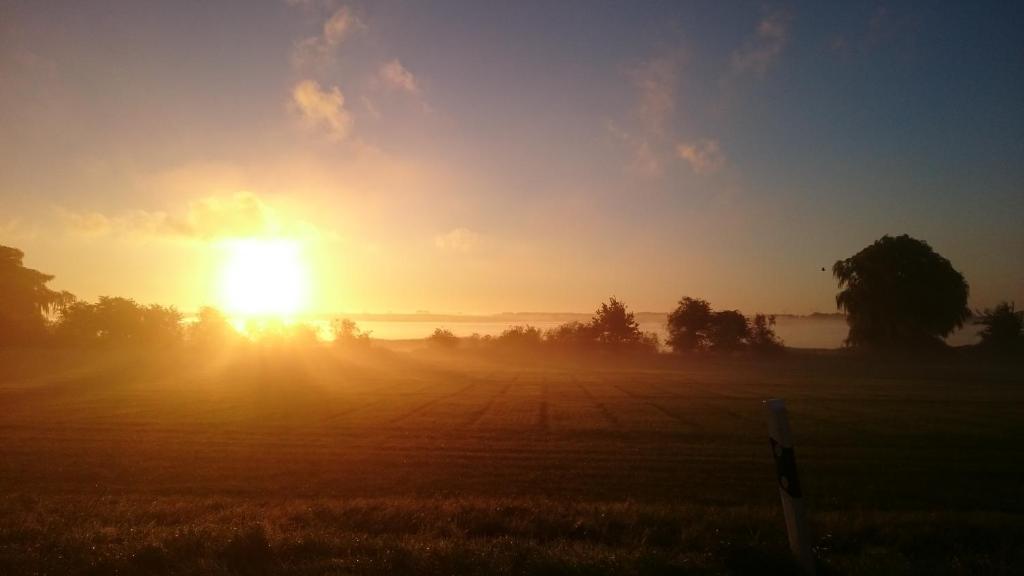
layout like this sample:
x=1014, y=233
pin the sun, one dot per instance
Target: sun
x=264, y=277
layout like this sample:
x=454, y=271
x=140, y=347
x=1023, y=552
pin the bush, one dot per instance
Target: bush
x=443, y=338
x=762, y=337
x=520, y=337
x=571, y=336
x=347, y=333
x=1003, y=330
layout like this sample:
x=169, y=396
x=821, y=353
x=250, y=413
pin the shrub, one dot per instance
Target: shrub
x=762, y=337
x=1003, y=330
x=347, y=333
x=520, y=337
x=571, y=336
x=443, y=338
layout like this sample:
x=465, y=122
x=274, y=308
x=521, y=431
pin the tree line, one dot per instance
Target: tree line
x=896, y=294
x=692, y=327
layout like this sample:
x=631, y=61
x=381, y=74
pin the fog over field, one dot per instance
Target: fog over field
x=816, y=331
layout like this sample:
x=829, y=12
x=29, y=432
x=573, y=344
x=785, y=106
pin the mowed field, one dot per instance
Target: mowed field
x=315, y=462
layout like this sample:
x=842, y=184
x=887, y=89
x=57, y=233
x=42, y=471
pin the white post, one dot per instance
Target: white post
x=789, y=483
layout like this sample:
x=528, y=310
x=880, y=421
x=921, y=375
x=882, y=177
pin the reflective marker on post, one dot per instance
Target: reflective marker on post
x=789, y=483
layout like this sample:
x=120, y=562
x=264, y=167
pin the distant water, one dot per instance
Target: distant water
x=796, y=332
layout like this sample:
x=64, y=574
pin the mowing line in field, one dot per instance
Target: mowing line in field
x=476, y=416
x=609, y=417
x=543, y=418
x=645, y=399
x=433, y=401
x=704, y=401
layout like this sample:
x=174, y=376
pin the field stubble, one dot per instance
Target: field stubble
x=310, y=462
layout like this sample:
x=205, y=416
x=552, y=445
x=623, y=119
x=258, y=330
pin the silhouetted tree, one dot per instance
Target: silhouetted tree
x=899, y=293
x=688, y=325
x=729, y=330
x=520, y=337
x=571, y=336
x=347, y=333
x=443, y=338
x=160, y=324
x=119, y=319
x=762, y=337
x=615, y=326
x=211, y=328
x=77, y=323
x=25, y=301
x=116, y=320
x=1003, y=330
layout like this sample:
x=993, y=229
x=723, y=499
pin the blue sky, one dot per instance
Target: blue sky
x=485, y=157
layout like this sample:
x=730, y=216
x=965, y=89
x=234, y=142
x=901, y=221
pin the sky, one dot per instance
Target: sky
x=482, y=157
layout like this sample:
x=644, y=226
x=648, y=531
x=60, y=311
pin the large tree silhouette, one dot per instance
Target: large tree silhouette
x=25, y=301
x=899, y=293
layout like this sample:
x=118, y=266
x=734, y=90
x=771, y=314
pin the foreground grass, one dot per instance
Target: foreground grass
x=125, y=535
x=317, y=464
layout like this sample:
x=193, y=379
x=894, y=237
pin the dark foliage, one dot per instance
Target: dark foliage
x=117, y=320
x=615, y=327
x=729, y=330
x=25, y=300
x=762, y=337
x=1003, y=330
x=523, y=337
x=898, y=293
x=571, y=335
x=688, y=325
x=695, y=326
x=347, y=333
x=211, y=328
x=443, y=338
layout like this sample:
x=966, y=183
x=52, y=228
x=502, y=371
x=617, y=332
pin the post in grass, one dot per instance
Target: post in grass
x=781, y=439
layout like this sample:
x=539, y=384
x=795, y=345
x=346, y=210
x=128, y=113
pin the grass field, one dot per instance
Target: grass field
x=312, y=462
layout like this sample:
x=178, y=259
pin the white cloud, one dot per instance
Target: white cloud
x=760, y=52
x=321, y=108
x=394, y=76
x=704, y=156
x=458, y=240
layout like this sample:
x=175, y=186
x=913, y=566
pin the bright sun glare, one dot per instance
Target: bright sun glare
x=264, y=277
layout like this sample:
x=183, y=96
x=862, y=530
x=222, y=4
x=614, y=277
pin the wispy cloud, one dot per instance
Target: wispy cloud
x=322, y=109
x=210, y=218
x=704, y=156
x=319, y=50
x=394, y=76
x=647, y=136
x=760, y=52
x=460, y=240
x=655, y=82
